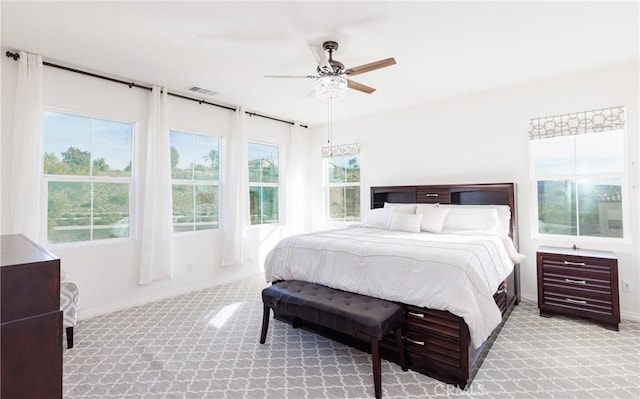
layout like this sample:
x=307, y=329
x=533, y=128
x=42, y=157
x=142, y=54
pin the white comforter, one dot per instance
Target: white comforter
x=458, y=273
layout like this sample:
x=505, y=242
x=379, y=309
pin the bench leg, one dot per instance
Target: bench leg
x=401, y=354
x=265, y=323
x=375, y=358
x=69, y=331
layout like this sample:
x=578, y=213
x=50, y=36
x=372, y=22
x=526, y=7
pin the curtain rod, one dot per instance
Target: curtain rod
x=273, y=119
x=16, y=56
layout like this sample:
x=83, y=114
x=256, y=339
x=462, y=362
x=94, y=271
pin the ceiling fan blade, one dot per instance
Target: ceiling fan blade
x=359, y=86
x=292, y=76
x=372, y=66
x=321, y=58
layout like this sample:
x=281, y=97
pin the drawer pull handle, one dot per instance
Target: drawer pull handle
x=415, y=342
x=432, y=194
x=566, y=262
x=568, y=280
x=416, y=314
x=575, y=301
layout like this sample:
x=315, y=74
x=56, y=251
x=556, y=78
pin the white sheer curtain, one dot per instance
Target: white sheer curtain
x=156, y=253
x=296, y=187
x=234, y=215
x=27, y=150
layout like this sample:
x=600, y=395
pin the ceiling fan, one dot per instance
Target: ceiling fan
x=331, y=71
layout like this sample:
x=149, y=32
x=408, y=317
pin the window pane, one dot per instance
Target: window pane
x=336, y=203
x=206, y=157
x=270, y=164
x=337, y=170
x=553, y=157
x=600, y=207
x=68, y=212
x=264, y=162
x=255, y=160
x=255, y=201
x=67, y=140
x=263, y=204
x=111, y=148
x=344, y=203
x=206, y=212
x=183, y=200
x=353, y=169
x=181, y=155
x=269, y=205
x=352, y=203
x=110, y=210
x=557, y=207
x=600, y=152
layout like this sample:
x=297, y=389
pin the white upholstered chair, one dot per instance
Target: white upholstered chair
x=69, y=301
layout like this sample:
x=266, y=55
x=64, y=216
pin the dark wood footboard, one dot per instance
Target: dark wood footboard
x=437, y=343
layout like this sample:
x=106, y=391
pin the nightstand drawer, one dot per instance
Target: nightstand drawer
x=577, y=284
x=603, y=274
x=578, y=303
x=560, y=289
x=572, y=264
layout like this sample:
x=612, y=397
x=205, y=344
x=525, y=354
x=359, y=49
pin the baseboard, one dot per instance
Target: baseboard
x=159, y=296
x=625, y=316
x=630, y=316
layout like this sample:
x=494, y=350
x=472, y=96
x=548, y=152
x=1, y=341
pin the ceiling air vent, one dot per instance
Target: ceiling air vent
x=200, y=90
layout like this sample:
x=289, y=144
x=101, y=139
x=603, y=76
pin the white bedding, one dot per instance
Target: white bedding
x=458, y=273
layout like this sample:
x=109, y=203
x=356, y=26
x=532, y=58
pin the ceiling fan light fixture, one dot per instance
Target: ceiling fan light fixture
x=330, y=87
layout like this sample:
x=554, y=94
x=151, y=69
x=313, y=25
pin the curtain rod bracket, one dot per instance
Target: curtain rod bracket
x=15, y=56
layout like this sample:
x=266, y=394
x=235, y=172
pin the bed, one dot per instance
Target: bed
x=458, y=287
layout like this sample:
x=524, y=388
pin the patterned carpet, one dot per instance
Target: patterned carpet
x=205, y=345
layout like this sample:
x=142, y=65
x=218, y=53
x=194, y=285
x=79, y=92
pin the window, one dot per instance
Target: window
x=579, y=181
x=343, y=181
x=87, y=171
x=195, y=165
x=264, y=171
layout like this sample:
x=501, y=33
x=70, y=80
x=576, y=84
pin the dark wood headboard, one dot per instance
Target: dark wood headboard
x=461, y=194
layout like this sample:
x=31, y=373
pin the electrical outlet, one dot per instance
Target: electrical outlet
x=189, y=267
x=626, y=285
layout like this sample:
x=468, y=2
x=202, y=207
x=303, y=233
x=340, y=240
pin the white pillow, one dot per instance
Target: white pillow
x=401, y=208
x=405, y=222
x=379, y=218
x=504, y=215
x=433, y=217
x=471, y=219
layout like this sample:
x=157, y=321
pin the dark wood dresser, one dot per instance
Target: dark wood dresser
x=31, y=321
x=579, y=282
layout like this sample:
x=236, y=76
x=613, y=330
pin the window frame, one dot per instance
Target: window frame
x=194, y=183
x=279, y=185
x=131, y=180
x=327, y=190
x=576, y=179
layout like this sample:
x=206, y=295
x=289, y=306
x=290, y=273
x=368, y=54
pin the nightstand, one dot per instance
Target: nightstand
x=579, y=282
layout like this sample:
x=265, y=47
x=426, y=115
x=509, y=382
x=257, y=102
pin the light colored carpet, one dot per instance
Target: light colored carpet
x=205, y=345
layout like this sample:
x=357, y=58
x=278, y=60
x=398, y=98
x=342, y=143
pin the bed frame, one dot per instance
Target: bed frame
x=438, y=342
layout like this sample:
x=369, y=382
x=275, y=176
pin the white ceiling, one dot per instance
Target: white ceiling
x=442, y=49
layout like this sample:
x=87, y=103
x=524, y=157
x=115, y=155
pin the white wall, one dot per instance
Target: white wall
x=483, y=138
x=107, y=272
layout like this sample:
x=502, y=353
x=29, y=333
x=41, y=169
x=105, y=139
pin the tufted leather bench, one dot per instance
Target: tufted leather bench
x=360, y=316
